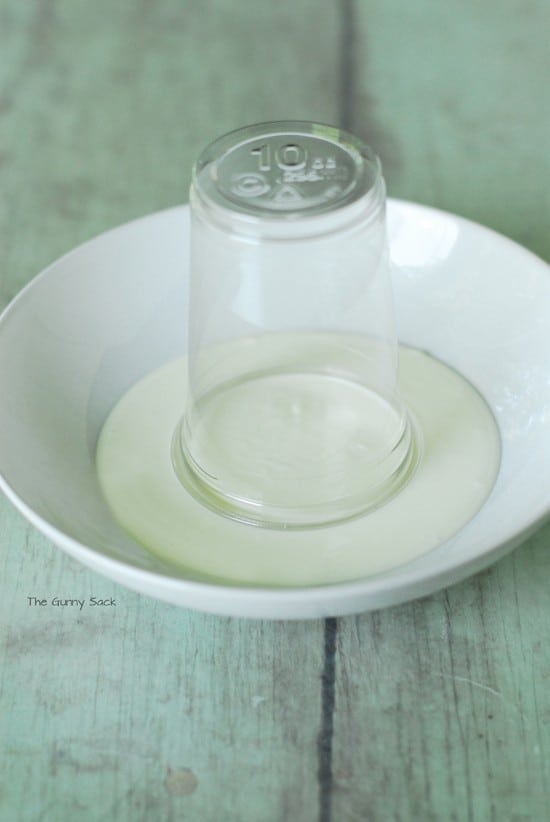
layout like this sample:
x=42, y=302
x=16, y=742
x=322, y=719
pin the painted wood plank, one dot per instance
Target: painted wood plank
x=454, y=97
x=140, y=710
x=442, y=707
x=105, y=106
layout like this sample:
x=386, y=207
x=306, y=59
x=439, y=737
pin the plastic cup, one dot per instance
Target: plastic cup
x=293, y=415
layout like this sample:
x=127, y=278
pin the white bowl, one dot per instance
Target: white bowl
x=111, y=311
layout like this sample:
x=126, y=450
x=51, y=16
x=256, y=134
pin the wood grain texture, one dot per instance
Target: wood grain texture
x=454, y=98
x=442, y=706
x=142, y=710
x=105, y=106
x=436, y=710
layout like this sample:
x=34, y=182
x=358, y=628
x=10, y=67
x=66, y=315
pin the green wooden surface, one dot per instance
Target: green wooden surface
x=435, y=710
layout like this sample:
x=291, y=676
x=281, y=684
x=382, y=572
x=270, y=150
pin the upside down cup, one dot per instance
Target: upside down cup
x=293, y=415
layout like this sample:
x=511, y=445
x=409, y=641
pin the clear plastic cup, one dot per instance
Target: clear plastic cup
x=293, y=415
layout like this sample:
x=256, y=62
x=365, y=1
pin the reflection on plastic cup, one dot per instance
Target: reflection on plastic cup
x=293, y=415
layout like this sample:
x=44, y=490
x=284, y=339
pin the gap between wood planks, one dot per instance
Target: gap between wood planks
x=324, y=741
x=346, y=91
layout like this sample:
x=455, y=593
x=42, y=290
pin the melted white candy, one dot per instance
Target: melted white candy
x=459, y=461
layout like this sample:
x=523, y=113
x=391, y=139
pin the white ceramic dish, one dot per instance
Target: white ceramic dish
x=113, y=310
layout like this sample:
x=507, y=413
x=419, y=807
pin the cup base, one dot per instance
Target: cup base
x=291, y=450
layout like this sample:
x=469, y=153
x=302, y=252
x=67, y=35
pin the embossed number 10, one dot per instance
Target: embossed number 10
x=289, y=156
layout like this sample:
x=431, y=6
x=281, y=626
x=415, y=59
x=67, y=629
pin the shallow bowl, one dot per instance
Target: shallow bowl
x=97, y=320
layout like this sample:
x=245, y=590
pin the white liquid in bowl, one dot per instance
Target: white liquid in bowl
x=458, y=465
